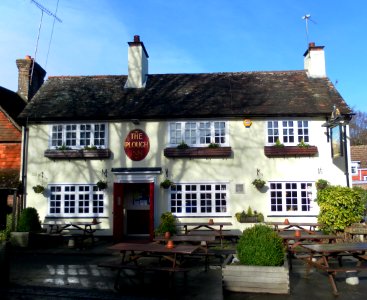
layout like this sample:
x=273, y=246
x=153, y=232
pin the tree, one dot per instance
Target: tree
x=358, y=129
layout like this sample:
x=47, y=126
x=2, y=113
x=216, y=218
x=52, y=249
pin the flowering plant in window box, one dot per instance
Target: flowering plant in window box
x=213, y=145
x=102, y=185
x=39, y=189
x=259, y=183
x=249, y=216
x=166, y=184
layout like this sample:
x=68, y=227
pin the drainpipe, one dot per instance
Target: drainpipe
x=346, y=154
x=24, y=162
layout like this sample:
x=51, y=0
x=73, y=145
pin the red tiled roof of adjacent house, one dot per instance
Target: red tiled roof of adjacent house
x=288, y=93
x=359, y=153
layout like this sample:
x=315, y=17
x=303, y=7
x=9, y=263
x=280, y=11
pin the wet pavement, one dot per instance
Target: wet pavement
x=63, y=273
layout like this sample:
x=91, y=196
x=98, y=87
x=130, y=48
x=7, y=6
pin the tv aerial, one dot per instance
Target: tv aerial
x=44, y=10
x=307, y=18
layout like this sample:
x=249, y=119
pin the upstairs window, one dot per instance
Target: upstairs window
x=198, y=134
x=355, y=165
x=289, y=132
x=78, y=136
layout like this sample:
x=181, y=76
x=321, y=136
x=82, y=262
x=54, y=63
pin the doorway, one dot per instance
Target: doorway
x=133, y=210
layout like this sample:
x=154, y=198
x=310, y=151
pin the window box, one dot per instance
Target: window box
x=198, y=152
x=78, y=153
x=274, y=151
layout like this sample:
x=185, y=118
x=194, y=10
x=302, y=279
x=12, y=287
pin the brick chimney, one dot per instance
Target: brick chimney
x=137, y=64
x=314, y=61
x=26, y=88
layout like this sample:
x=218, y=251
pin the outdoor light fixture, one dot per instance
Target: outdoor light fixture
x=135, y=121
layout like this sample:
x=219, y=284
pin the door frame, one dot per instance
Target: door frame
x=132, y=177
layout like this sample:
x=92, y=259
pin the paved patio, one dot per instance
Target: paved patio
x=63, y=273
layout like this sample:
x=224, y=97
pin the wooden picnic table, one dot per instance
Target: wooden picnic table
x=291, y=241
x=321, y=255
x=215, y=227
x=86, y=227
x=137, y=251
x=281, y=226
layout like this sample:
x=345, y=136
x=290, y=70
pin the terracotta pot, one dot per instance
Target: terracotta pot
x=286, y=222
x=297, y=233
x=94, y=221
x=167, y=235
x=170, y=244
x=211, y=222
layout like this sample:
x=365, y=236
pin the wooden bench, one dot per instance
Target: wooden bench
x=141, y=269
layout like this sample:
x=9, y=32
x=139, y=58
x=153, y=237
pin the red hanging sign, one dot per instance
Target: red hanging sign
x=137, y=145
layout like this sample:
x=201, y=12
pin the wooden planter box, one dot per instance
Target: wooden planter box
x=256, y=279
x=76, y=154
x=249, y=220
x=198, y=152
x=274, y=151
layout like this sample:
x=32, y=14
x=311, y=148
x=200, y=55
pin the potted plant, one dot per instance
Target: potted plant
x=38, y=189
x=166, y=184
x=167, y=224
x=29, y=222
x=259, y=183
x=260, y=266
x=101, y=185
x=249, y=216
x=213, y=145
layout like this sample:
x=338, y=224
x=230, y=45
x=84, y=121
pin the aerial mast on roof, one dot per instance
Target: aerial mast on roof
x=307, y=18
x=43, y=9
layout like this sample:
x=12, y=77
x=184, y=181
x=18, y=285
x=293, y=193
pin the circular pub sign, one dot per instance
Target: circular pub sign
x=137, y=145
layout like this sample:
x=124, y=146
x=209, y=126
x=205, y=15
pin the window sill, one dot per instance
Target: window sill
x=198, y=152
x=75, y=154
x=273, y=151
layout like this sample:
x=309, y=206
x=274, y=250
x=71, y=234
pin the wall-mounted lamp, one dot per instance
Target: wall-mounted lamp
x=135, y=121
x=104, y=172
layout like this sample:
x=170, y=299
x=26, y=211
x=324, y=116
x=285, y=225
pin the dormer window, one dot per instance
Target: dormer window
x=198, y=133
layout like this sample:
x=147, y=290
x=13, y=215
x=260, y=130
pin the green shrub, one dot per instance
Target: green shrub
x=167, y=223
x=260, y=245
x=322, y=184
x=5, y=234
x=339, y=207
x=29, y=220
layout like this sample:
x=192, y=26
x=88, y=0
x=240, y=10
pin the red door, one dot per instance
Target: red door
x=128, y=212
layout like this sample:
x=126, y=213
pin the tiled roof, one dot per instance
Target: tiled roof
x=359, y=153
x=185, y=96
x=11, y=103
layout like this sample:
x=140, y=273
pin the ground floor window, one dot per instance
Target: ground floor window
x=203, y=199
x=75, y=200
x=291, y=197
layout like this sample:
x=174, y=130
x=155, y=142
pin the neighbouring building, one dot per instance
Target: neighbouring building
x=210, y=134
x=11, y=105
x=359, y=165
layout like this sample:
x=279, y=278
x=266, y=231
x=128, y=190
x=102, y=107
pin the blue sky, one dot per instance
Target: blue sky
x=188, y=36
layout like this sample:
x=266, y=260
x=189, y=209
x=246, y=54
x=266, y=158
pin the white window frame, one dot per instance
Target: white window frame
x=285, y=129
x=61, y=194
x=65, y=134
x=190, y=132
x=354, y=166
x=216, y=198
x=290, y=199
